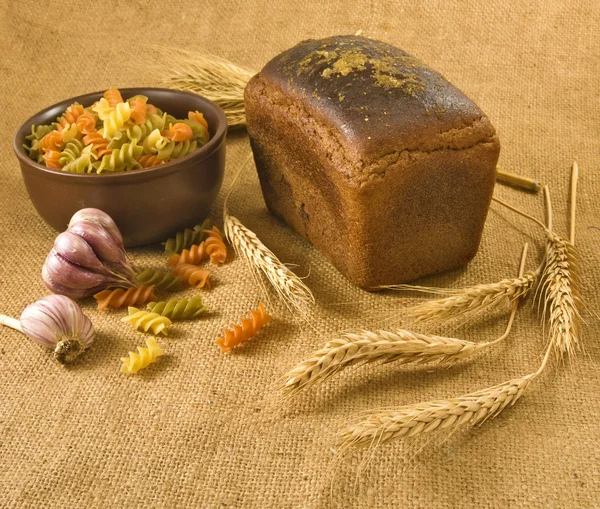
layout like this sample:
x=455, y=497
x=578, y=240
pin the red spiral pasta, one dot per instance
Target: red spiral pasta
x=193, y=275
x=194, y=255
x=215, y=247
x=99, y=144
x=86, y=123
x=180, y=132
x=236, y=334
x=51, y=158
x=138, y=110
x=52, y=141
x=113, y=96
x=120, y=298
x=149, y=161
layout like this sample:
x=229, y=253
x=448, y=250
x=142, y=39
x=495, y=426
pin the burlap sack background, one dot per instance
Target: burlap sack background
x=197, y=429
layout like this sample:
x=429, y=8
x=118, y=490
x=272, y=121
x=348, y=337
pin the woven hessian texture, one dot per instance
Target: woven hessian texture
x=199, y=429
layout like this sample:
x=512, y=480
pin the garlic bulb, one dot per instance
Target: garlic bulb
x=88, y=257
x=55, y=322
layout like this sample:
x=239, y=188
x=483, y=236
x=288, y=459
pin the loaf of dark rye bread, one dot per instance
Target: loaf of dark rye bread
x=376, y=159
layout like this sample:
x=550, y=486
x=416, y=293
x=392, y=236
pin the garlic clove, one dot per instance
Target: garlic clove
x=57, y=322
x=73, y=293
x=101, y=218
x=70, y=275
x=74, y=249
x=103, y=245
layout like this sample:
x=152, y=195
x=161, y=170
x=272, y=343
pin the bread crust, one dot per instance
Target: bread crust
x=400, y=195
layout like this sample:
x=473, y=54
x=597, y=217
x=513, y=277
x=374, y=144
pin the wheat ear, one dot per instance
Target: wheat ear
x=470, y=300
x=450, y=414
x=400, y=346
x=215, y=78
x=261, y=260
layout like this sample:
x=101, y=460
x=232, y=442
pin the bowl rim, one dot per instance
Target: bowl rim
x=202, y=153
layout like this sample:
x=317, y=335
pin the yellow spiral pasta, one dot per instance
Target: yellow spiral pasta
x=143, y=358
x=116, y=119
x=147, y=320
x=103, y=109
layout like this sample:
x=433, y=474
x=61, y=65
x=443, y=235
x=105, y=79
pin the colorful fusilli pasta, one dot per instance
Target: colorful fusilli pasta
x=179, y=309
x=146, y=320
x=215, y=246
x=193, y=275
x=236, y=334
x=194, y=255
x=162, y=280
x=120, y=298
x=187, y=238
x=143, y=358
x=110, y=124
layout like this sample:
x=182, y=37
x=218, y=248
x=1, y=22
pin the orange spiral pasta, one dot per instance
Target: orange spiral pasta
x=99, y=144
x=52, y=141
x=194, y=255
x=215, y=247
x=149, y=161
x=180, y=132
x=86, y=123
x=138, y=110
x=236, y=334
x=151, y=109
x=193, y=275
x=196, y=116
x=120, y=298
x=52, y=159
x=113, y=96
x=71, y=114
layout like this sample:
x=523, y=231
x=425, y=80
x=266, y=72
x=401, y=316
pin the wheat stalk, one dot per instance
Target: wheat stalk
x=444, y=414
x=213, y=77
x=261, y=260
x=401, y=346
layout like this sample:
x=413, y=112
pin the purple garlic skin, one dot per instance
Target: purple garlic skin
x=103, y=219
x=56, y=322
x=88, y=257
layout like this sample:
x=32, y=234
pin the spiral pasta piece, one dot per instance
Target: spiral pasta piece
x=71, y=114
x=154, y=143
x=51, y=141
x=176, y=150
x=113, y=96
x=236, y=334
x=52, y=159
x=68, y=132
x=146, y=320
x=187, y=238
x=83, y=164
x=103, y=109
x=116, y=119
x=215, y=247
x=120, y=298
x=180, y=132
x=71, y=152
x=160, y=279
x=98, y=143
x=86, y=123
x=121, y=159
x=193, y=275
x=147, y=161
x=198, y=118
x=138, y=109
x=152, y=122
x=179, y=309
x=143, y=358
x=194, y=255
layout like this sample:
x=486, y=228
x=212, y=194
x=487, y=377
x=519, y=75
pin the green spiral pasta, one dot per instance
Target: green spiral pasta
x=175, y=150
x=120, y=159
x=83, y=163
x=182, y=309
x=187, y=238
x=71, y=151
x=37, y=133
x=140, y=132
x=118, y=140
x=163, y=280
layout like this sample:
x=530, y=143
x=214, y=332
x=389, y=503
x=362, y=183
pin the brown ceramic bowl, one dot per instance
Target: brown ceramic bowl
x=148, y=205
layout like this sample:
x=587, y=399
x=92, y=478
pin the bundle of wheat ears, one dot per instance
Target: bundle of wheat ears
x=556, y=278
